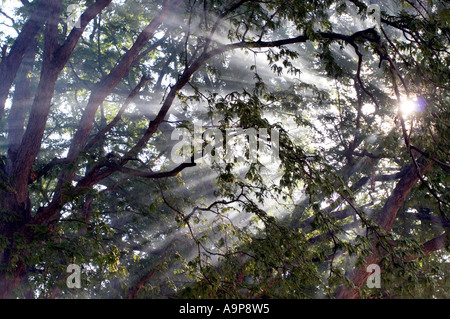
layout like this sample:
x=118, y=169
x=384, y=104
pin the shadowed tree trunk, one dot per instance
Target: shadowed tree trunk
x=76, y=179
x=385, y=219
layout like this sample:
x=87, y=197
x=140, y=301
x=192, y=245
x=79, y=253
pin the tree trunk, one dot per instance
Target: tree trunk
x=385, y=219
x=16, y=217
x=10, y=281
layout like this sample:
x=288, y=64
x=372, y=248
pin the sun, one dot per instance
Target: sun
x=408, y=107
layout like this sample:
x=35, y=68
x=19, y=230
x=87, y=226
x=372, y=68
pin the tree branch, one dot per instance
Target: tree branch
x=118, y=116
x=385, y=219
x=11, y=63
x=135, y=172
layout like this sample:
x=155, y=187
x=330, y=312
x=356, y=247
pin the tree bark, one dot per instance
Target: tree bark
x=21, y=101
x=15, y=201
x=385, y=219
x=10, y=64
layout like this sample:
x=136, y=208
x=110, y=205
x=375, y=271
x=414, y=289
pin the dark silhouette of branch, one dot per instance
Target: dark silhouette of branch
x=138, y=173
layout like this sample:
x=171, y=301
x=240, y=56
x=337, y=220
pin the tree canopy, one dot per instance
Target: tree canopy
x=347, y=102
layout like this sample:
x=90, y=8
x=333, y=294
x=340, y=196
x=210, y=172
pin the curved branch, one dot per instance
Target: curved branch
x=385, y=219
x=10, y=64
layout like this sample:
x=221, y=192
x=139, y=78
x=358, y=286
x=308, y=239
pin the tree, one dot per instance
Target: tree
x=87, y=177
